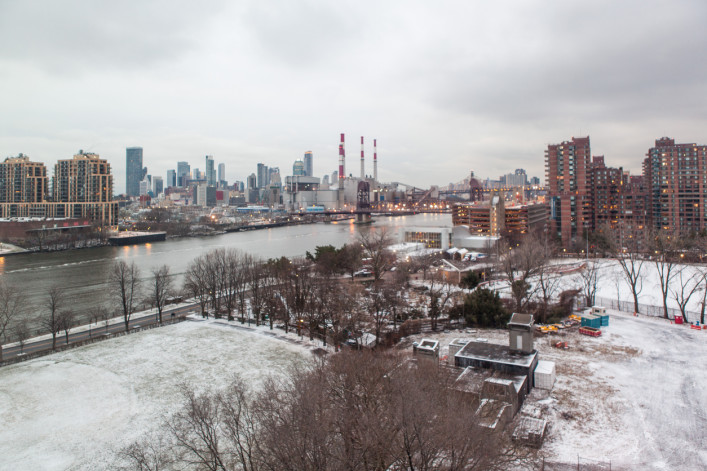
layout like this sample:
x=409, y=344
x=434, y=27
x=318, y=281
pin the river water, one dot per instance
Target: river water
x=82, y=274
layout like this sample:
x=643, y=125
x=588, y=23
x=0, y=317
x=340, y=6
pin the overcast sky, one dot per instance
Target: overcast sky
x=445, y=86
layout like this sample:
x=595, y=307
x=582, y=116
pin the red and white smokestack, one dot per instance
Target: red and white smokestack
x=363, y=174
x=375, y=161
x=341, y=163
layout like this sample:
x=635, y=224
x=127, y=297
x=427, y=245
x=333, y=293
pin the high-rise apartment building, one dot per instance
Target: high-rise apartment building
x=22, y=181
x=210, y=171
x=568, y=181
x=675, y=177
x=82, y=187
x=309, y=163
x=183, y=173
x=171, y=178
x=133, y=170
x=84, y=179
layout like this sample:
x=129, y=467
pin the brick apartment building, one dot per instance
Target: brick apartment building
x=567, y=173
x=586, y=195
x=675, y=176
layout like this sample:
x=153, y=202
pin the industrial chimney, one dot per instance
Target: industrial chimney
x=375, y=162
x=363, y=173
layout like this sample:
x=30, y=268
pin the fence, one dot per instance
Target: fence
x=645, y=309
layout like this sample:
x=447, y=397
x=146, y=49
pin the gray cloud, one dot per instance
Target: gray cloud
x=445, y=87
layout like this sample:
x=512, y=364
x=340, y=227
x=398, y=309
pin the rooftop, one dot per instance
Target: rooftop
x=497, y=353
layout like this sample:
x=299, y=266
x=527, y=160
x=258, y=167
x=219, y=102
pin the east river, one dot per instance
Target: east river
x=82, y=274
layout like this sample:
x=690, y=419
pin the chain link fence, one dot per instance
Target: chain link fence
x=645, y=309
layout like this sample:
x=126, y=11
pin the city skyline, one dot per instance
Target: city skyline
x=479, y=87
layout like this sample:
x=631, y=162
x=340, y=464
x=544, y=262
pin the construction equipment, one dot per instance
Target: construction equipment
x=591, y=331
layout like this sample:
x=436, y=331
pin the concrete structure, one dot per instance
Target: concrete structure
x=494, y=218
x=22, y=181
x=426, y=349
x=674, y=176
x=431, y=237
x=545, y=375
x=521, y=333
x=568, y=181
x=133, y=170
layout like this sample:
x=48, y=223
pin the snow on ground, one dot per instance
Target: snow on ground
x=75, y=409
x=634, y=396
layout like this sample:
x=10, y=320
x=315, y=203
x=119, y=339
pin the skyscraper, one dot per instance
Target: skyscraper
x=262, y=176
x=133, y=170
x=568, y=181
x=222, y=173
x=171, y=178
x=299, y=168
x=157, y=186
x=183, y=173
x=308, y=163
x=210, y=171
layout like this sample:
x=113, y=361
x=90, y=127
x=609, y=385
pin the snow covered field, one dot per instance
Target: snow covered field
x=635, y=397
x=74, y=410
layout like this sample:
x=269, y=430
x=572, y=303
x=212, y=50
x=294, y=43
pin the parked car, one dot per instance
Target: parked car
x=365, y=272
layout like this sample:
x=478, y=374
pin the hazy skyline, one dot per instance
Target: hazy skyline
x=445, y=87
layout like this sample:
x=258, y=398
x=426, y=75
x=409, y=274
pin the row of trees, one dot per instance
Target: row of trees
x=356, y=410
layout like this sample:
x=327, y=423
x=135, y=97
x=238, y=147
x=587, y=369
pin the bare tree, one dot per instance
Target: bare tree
x=21, y=333
x=124, y=281
x=589, y=277
x=375, y=246
x=55, y=303
x=66, y=322
x=152, y=453
x=520, y=264
x=665, y=257
x=195, y=283
x=631, y=261
x=12, y=306
x=161, y=288
x=686, y=283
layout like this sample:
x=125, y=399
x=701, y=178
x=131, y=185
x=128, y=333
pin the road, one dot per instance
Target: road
x=95, y=332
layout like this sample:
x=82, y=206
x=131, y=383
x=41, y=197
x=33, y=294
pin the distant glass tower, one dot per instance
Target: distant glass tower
x=298, y=168
x=183, y=173
x=133, y=170
x=263, y=176
x=171, y=178
x=308, y=163
x=221, y=172
x=210, y=171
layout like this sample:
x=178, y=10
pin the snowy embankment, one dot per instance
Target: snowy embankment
x=76, y=409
